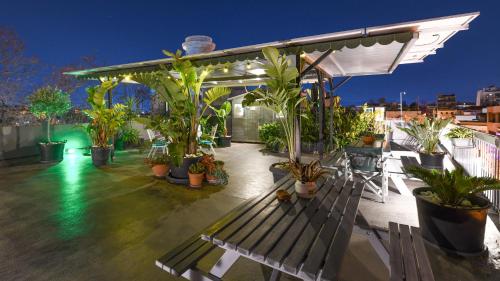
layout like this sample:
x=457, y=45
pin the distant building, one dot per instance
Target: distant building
x=448, y=101
x=493, y=119
x=489, y=96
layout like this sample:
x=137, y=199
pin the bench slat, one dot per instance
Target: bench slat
x=191, y=260
x=410, y=264
x=424, y=265
x=395, y=258
x=340, y=243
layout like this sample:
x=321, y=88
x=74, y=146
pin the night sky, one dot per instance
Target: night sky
x=115, y=32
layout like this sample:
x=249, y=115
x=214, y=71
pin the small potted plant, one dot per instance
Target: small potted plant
x=306, y=176
x=451, y=212
x=196, y=173
x=461, y=136
x=427, y=135
x=220, y=174
x=159, y=165
x=46, y=103
x=208, y=161
x=368, y=138
x=222, y=114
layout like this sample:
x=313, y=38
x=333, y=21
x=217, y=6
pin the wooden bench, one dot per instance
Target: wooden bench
x=182, y=260
x=408, y=257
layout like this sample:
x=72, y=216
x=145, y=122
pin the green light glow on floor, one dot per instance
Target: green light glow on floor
x=72, y=205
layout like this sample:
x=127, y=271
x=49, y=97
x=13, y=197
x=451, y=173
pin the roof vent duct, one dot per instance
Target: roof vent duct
x=197, y=44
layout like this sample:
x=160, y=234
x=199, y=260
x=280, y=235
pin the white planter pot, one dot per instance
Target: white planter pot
x=459, y=142
x=305, y=190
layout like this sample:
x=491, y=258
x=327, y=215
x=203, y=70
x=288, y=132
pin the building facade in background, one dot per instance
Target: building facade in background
x=489, y=96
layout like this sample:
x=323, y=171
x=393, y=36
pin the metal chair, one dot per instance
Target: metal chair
x=157, y=144
x=210, y=141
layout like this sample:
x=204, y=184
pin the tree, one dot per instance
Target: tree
x=69, y=83
x=47, y=103
x=15, y=68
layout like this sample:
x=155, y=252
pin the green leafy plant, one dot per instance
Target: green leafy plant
x=129, y=135
x=281, y=94
x=307, y=172
x=460, y=133
x=453, y=188
x=427, y=133
x=47, y=103
x=222, y=113
x=196, y=168
x=105, y=122
x=221, y=175
x=348, y=124
x=272, y=135
x=182, y=93
x=160, y=159
x=208, y=161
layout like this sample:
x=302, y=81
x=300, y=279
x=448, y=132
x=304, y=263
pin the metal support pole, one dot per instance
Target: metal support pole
x=110, y=99
x=315, y=63
x=321, y=120
x=297, y=118
x=330, y=81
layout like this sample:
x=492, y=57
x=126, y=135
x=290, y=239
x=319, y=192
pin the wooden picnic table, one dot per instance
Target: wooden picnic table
x=306, y=238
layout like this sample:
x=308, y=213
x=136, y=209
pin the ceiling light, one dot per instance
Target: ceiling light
x=226, y=70
x=249, y=65
x=257, y=71
x=303, y=54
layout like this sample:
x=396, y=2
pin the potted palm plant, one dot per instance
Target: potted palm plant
x=427, y=135
x=451, y=212
x=196, y=173
x=183, y=94
x=282, y=96
x=222, y=114
x=306, y=176
x=461, y=136
x=47, y=103
x=159, y=165
x=104, y=122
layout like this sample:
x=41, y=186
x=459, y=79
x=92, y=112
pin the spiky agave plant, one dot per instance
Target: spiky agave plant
x=453, y=188
x=307, y=172
x=427, y=133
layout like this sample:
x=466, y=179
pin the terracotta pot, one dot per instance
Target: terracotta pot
x=160, y=170
x=368, y=139
x=211, y=179
x=305, y=189
x=195, y=180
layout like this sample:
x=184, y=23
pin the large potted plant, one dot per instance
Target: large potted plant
x=282, y=96
x=306, y=176
x=47, y=103
x=427, y=134
x=222, y=113
x=460, y=136
x=187, y=104
x=104, y=122
x=451, y=212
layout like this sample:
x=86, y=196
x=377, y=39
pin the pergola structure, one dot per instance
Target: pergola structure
x=319, y=58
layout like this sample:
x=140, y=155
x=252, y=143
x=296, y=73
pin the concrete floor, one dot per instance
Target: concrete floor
x=72, y=221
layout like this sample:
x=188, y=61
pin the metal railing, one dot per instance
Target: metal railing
x=482, y=159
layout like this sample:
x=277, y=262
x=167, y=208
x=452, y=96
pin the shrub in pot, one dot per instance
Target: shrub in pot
x=427, y=135
x=451, y=212
x=220, y=174
x=126, y=136
x=104, y=122
x=208, y=161
x=306, y=176
x=222, y=113
x=196, y=174
x=159, y=165
x=281, y=95
x=461, y=136
x=47, y=103
x=181, y=89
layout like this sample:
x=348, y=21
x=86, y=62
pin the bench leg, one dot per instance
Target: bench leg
x=224, y=263
x=196, y=275
x=275, y=275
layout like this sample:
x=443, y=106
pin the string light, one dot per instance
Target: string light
x=225, y=69
x=249, y=65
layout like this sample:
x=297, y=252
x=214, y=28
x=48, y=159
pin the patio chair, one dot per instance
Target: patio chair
x=157, y=144
x=210, y=141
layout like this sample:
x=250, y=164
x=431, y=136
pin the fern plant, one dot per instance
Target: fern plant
x=453, y=188
x=427, y=133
